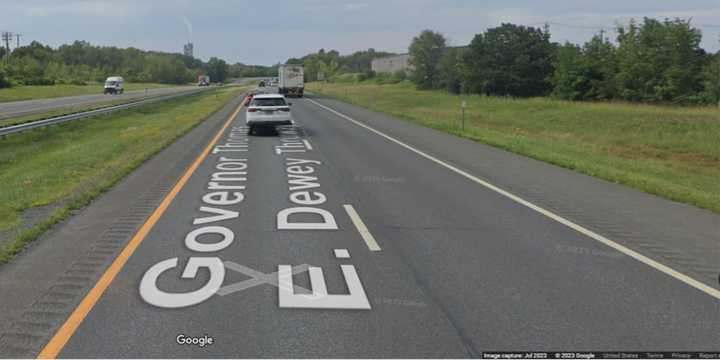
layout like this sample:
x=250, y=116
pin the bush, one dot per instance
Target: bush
x=345, y=78
x=4, y=78
x=382, y=78
x=39, y=81
x=398, y=76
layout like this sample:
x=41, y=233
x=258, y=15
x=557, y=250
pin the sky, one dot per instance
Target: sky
x=270, y=32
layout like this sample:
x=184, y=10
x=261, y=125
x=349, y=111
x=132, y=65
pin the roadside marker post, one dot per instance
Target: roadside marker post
x=463, y=105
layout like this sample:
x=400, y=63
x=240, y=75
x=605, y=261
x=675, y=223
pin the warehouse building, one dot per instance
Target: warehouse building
x=391, y=64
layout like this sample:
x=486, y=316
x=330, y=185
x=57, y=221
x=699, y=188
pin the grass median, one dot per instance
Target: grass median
x=60, y=168
x=673, y=152
x=18, y=93
x=17, y=120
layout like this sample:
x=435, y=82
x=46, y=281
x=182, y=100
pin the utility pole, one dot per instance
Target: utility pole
x=17, y=37
x=7, y=37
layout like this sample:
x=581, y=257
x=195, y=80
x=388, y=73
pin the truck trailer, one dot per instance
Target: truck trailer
x=291, y=81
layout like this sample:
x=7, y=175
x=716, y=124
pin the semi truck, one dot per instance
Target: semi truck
x=291, y=81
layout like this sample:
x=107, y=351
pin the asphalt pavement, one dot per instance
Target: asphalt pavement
x=27, y=107
x=354, y=234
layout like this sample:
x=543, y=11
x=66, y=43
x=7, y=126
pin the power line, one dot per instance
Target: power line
x=7, y=37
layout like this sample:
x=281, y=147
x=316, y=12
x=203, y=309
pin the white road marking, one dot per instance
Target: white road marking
x=307, y=144
x=361, y=228
x=342, y=254
x=320, y=299
x=589, y=233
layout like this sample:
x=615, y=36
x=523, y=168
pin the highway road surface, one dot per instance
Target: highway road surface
x=354, y=234
x=26, y=107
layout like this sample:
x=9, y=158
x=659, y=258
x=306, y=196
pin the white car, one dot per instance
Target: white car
x=268, y=111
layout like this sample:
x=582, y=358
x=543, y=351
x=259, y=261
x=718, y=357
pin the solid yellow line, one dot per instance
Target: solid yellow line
x=63, y=335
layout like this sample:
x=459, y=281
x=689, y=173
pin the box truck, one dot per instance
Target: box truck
x=291, y=80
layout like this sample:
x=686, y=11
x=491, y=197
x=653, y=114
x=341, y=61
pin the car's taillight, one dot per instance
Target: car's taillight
x=284, y=109
x=252, y=110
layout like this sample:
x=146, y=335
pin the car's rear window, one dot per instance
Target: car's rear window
x=268, y=102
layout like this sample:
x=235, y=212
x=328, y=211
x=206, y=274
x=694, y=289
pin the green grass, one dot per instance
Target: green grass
x=72, y=163
x=18, y=93
x=672, y=152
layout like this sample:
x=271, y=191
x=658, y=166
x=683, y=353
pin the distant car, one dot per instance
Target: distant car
x=250, y=95
x=268, y=111
x=203, y=80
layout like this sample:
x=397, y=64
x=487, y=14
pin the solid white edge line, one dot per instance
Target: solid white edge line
x=361, y=228
x=589, y=233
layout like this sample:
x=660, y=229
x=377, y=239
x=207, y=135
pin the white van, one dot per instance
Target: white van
x=114, y=85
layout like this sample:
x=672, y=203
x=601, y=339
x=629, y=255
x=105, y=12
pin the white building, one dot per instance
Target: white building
x=391, y=64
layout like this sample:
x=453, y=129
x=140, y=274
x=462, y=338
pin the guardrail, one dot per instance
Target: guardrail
x=85, y=114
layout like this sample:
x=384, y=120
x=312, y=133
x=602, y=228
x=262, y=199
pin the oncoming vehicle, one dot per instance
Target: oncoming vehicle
x=268, y=111
x=203, y=80
x=114, y=85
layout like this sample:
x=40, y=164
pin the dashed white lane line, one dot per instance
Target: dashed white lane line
x=361, y=228
x=307, y=144
x=589, y=233
x=342, y=254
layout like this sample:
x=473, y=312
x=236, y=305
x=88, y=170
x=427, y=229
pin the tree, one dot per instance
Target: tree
x=510, y=60
x=660, y=61
x=711, y=80
x=217, y=69
x=426, y=50
x=585, y=73
x=601, y=57
x=571, y=78
x=4, y=77
x=449, y=70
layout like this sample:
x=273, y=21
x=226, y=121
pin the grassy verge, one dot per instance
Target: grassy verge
x=68, y=165
x=670, y=152
x=18, y=93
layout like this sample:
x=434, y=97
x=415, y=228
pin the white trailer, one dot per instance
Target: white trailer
x=291, y=80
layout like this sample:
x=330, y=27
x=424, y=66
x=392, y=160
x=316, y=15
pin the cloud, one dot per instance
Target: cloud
x=95, y=8
x=267, y=32
x=355, y=6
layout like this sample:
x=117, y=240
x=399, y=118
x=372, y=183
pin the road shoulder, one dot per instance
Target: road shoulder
x=43, y=284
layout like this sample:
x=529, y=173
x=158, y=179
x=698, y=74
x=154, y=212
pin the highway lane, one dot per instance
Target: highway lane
x=460, y=269
x=26, y=107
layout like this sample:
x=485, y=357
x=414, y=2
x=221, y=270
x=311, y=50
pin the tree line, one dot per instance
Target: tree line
x=81, y=63
x=328, y=64
x=652, y=61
